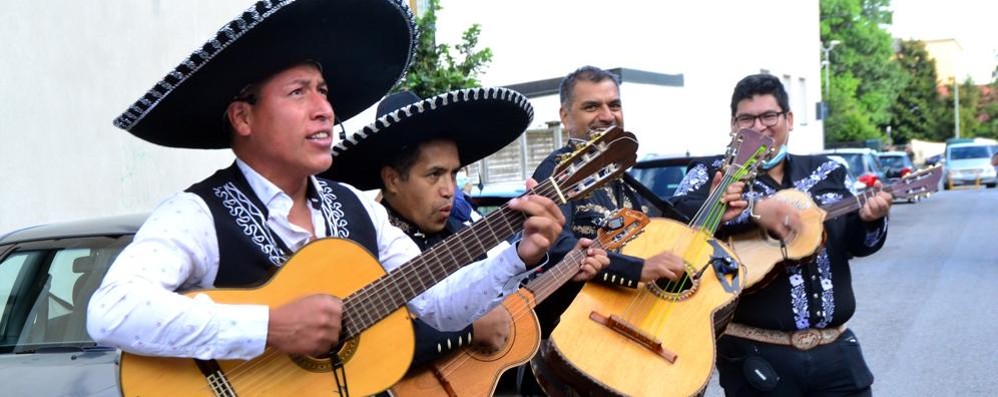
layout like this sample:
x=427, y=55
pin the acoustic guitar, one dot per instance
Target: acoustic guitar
x=377, y=336
x=658, y=339
x=760, y=251
x=473, y=372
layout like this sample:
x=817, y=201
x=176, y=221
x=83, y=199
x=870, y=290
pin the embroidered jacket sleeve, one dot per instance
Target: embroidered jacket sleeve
x=460, y=298
x=623, y=269
x=432, y=343
x=136, y=308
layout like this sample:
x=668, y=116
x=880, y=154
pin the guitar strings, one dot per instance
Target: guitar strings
x=459, y=358
x=699, y=235
x=240, y=371
x=652, y=317
x=544, y=286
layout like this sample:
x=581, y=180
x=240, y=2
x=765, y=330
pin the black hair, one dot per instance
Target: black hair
x=566, y=89
x=760, y=84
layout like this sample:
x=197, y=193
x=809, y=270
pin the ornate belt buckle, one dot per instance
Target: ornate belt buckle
x=805, y=339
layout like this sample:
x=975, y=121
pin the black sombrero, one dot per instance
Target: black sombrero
x=479, y=120
x=362, y=46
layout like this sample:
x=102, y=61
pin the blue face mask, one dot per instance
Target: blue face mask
x=776, y=159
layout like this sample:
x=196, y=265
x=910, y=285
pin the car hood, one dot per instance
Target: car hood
x=969, y=163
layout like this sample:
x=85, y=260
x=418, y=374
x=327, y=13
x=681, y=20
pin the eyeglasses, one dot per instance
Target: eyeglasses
x=767, y=119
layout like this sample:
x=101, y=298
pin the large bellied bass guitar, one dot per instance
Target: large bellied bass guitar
x=473, y=372
x=658, y=339
x=760, y=251
x=377, y=335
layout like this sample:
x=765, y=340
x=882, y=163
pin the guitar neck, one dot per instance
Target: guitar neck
x=552, y=279
x=843, y=207
x=377, y=300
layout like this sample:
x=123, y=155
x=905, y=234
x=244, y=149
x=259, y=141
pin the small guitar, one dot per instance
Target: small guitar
x=377, y=340
x=760, y=252
x=658, y=339
x=472, y=372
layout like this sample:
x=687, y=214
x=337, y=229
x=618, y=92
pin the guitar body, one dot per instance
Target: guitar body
x=373, y=361
x=760, y=252
x=471, y=372
x=598, y=360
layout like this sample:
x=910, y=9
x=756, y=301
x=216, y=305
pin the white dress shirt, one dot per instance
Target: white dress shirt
x=137, y=309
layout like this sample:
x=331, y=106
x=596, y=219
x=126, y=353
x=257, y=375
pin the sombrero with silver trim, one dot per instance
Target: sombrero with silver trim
x=362, y=46
x=479, y=120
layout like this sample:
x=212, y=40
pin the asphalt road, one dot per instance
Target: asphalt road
x=926, y=315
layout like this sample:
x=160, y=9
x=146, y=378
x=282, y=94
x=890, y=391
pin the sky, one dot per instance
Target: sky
x=970, y=22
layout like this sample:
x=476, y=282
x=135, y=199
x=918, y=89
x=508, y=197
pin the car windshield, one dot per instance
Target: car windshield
x=662, y=180
x=893, y=161
x=855, y=161
x=969, y=152
x=46, y=291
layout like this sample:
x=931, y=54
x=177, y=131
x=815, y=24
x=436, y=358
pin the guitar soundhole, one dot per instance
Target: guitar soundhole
x=323, y=363
x=674, y=290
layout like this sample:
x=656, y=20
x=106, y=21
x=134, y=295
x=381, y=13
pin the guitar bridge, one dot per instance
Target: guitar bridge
x=618, y=325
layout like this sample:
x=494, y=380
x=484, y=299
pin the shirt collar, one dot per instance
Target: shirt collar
x=269, y=194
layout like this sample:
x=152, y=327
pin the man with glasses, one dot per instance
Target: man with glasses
x=788, y=336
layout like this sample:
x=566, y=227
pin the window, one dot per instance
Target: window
x=800, y=101
x=47, y=289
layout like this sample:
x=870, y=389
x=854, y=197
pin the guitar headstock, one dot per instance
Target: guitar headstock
x=748, y=149
x=596, y=162
x=622, y=226
x=918, y=182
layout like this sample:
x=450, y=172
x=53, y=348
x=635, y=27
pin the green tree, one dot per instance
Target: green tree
x=918, y=111
x=987, y=111
x=970, y=103
x=434, y=69
x=865, y=80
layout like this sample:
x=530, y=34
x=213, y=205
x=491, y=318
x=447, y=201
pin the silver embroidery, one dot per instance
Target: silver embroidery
x=828, y=198
x=798, y=297
x=818, y=175
x=332, y=210
x=695, y=178
x=827, y=295
x=251, y=220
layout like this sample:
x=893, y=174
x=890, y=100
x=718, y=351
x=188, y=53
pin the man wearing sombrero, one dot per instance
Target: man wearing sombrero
x=412, y=153
x=270, y=85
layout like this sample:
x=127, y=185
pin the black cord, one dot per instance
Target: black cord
x=668, y=210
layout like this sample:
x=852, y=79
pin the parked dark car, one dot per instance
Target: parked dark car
x=863, y=164
x=896, y=164
x=47, y=275
x=490, y=197
x=662, y=174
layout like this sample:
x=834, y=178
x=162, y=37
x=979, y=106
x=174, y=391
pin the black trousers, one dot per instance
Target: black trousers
x=750, y=368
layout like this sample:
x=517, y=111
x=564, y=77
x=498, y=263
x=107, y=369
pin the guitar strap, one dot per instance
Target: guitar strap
x=668, y=210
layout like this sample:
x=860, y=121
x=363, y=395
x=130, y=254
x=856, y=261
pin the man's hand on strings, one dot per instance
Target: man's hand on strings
x=541, y=228
x=594, y=261
x=664, y=264
x=732, y=197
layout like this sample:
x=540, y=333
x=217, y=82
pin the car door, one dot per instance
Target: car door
x=44, y=346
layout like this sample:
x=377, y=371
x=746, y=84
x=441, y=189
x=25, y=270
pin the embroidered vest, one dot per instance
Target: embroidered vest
x=249, y=251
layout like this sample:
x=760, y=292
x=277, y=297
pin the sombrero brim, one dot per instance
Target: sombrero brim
x=363, y=47
x=479, y=120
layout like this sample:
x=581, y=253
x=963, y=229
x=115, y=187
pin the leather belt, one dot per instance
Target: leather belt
x=805, y=339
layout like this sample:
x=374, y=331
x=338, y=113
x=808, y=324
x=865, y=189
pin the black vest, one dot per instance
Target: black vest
x=248, y=251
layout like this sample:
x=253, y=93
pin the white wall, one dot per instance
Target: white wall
x=70, y=67
x=713, y=44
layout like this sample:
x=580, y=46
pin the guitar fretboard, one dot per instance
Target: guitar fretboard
x=377, y=300
x=843, y=207
x=556, y=276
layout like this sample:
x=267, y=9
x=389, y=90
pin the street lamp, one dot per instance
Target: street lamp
x=827, y=62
